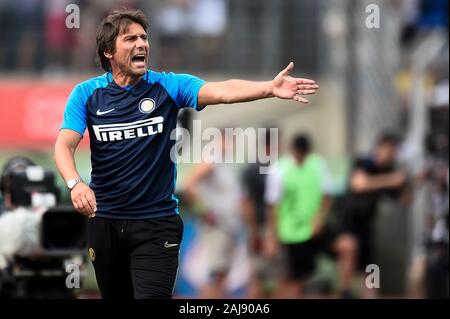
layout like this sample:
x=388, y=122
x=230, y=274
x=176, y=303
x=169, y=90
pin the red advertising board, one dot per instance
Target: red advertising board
x=31, y=113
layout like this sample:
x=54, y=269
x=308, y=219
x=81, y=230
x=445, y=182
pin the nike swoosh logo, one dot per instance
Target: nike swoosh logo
x=104, y=112
x=167, y=245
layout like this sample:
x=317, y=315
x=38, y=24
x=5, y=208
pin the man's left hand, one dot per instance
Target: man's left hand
x=287, y=87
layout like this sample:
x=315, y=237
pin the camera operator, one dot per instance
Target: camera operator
x=37, y=238
x=18, y=224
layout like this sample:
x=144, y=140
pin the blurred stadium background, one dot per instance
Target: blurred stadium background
x=372, y=80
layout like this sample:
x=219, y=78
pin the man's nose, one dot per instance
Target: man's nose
x=141, y=43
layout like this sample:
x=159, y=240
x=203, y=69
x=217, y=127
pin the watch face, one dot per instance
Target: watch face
x=71, y=183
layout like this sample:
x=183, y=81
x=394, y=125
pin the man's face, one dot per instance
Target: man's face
x=132, y=51
x=386, y=154
x=299, y=156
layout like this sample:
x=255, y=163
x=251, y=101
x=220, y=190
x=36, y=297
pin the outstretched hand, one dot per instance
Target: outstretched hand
x=287, y=87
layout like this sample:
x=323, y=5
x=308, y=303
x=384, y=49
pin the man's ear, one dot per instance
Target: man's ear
x=108, y=55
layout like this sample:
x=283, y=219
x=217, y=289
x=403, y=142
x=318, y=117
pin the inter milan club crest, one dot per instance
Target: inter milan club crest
x=147, y=105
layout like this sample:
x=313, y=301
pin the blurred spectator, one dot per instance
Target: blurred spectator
x=21, y=34
x=85, y=51
x=371, y=179
x=434, y=14
x=436, y=174
x=173, y=23
x=409, y=13
x=438, y=146
x=422, y=15
x=60, y=40
x=214, y=186
x=34, y=36
x=31, y=54
x=437, y=274
x=297, y=195
x=429, y=273
x=209, y=17
x=254, y=211
x=208, y=23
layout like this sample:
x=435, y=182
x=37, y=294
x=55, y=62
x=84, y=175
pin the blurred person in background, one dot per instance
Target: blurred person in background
x=434, y=14
x=254, y=213
x=173, y=24
x=92, y=13
x=130, y=112
x=8, y=40
x=420, y=16
x=371, y=178
x=20, y=47
x=297, y=195
x=208, y=22
x=437, y=233
x=214, y=188
x=60, y=40
x=31, y=55
x=429, y=273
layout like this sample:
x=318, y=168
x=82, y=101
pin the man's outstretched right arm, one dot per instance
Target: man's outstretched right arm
x=83, y=198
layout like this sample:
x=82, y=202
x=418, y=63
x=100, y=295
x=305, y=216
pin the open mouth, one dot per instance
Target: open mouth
x=138, y=60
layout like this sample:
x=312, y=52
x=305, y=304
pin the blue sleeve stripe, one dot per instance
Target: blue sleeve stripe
x=183, y=88
x=195, y=90
x=75, y=114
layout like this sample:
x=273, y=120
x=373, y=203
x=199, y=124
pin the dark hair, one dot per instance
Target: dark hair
x=302, y=143
x=389, y=139
x=111, y=27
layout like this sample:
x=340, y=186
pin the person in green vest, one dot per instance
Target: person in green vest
x=298, y=193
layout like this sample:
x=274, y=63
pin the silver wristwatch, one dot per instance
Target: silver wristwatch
x=71, y=183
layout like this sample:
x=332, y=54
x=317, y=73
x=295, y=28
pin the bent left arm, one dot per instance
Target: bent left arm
x=283, y=86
